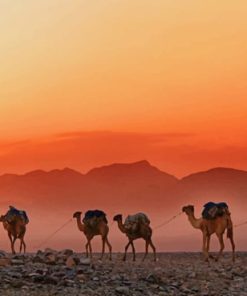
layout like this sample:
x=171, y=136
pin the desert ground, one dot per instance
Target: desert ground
x=50, y=272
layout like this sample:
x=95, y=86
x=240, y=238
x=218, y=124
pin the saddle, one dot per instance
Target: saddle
x=93, y=217
x=213, y=210
x=14, y=213
x=133, y=222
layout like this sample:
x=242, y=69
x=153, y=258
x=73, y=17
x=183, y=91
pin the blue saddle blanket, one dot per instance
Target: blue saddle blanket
x=13, y=213
x=94, y=214
x=213, y=210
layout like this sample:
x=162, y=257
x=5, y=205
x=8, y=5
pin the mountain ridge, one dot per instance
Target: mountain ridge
x=143, y=163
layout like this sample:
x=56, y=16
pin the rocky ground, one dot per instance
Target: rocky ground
x=67, y=273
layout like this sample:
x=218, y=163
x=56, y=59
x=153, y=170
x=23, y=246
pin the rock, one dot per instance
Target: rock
x=71, y=262
x=50, y=251
x=38, y=259
x=17, y=262
x=3, y=254
x=175, y=274
x=5, y=261
x=123, y=290
x=85, y=261
x=66, y=252
x=50, y=258
x=51, y=280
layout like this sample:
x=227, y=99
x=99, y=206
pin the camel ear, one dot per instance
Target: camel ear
x=76, y=214
x=117, y=217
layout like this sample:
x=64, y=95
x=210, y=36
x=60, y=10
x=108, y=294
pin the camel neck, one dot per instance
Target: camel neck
x=196, y=223
x=121, y=226
x=79, y=224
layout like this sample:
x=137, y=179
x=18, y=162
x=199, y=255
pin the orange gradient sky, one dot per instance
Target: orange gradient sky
x=161, y=80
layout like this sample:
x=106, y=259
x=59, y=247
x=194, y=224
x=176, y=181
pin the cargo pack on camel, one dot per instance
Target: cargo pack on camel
x=133, y=222
x=92, y=218
x=14, y=213
x=213, y=210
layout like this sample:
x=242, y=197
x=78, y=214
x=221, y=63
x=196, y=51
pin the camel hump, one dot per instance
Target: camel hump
x=213, y=210
x=97, y=215
x=134, y=221
x=14, y=214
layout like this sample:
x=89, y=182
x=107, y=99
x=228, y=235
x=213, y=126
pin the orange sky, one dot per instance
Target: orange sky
x=167, y=79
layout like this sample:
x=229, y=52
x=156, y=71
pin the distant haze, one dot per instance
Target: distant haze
x=50, y=199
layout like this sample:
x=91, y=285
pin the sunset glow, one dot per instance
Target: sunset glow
x=90, y=83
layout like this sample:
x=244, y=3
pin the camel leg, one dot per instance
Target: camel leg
x=134, y=251
x=103, y=248
x=110, y=248
x=13, y=245
x=10, y=237
x=233, y=248
x=21, y=245
x=208, y=247
x=154, y=249
x=12, y=241
x=86, y=247
x=24, y=245
x=90, y=249
x=204, y=247
x=230, y=236
x=146, y=249
x=126, y=249
x=222, y=246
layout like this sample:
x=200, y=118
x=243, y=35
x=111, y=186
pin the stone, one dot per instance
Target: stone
x=71, y=262
x=5, y=261
x=123, y=290
x=85, y=261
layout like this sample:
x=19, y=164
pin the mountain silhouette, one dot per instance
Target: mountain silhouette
x=130, y=185
x=50, y=197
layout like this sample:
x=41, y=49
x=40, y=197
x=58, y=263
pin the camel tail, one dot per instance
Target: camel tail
x=229, y=232
x=229, y=228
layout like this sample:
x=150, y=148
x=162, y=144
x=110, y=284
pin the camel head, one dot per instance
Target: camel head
x=188, y=210
x=2, y=218
x=118, y=217
x=77, y=215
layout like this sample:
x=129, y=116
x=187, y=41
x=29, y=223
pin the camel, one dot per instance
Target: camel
x=143, y=231
x=209, y=227
x=100, y=228
x=16, y=230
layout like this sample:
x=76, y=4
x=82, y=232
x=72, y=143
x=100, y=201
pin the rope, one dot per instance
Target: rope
x=240, y=224
x=53, y=234
x=168, y=221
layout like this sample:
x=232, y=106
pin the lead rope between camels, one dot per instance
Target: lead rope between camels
x=240, y=224
x=53, y=234
x=158, y=226
x=168, y=221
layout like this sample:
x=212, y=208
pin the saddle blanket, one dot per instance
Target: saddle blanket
x=94, y=214
x=213, y=210
x=13, y=213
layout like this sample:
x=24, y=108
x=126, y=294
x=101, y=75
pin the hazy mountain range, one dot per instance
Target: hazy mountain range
x=50, y=198
x=132, y=186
